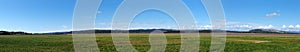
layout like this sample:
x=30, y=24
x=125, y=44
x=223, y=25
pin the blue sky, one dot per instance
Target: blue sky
x=56, y=15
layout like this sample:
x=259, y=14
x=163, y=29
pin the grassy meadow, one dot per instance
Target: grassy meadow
x=235, y=43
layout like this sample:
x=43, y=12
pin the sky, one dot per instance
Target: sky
x=56, y=15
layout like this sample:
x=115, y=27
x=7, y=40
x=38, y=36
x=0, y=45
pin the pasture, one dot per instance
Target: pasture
x=236, y=42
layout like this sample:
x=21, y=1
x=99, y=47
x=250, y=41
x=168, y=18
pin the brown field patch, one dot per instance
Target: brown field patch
x=252, y=41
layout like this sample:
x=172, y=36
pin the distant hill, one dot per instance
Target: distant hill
x=272, y=31
x=266, y=31
x=14, y=33
x=149, y=31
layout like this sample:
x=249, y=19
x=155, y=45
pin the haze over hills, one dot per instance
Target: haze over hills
x=150, y=31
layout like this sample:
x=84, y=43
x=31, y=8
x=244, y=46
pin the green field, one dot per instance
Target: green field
x=235, y=43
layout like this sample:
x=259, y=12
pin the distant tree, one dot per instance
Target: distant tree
x=5, y=33
x=21, y=33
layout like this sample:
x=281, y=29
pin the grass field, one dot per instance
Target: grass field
x=235, y=43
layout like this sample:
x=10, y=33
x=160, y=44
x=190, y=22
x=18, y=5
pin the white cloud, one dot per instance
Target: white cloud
x=229, y=23
x=99, y=12
x=247, y=27
x=297, y=26
x=240, y=27
x=273, y=14
x=291, y=28
x=104, y=23
x=266, y=27
x=207, y=26
x=284, y=26
x=64, y=26
x=55, y=31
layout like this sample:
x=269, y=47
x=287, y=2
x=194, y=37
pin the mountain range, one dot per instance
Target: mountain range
x=150, y=31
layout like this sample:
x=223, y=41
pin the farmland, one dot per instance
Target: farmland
x=236, y=42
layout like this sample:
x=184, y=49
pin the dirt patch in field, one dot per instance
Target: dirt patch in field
x=253, y=41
